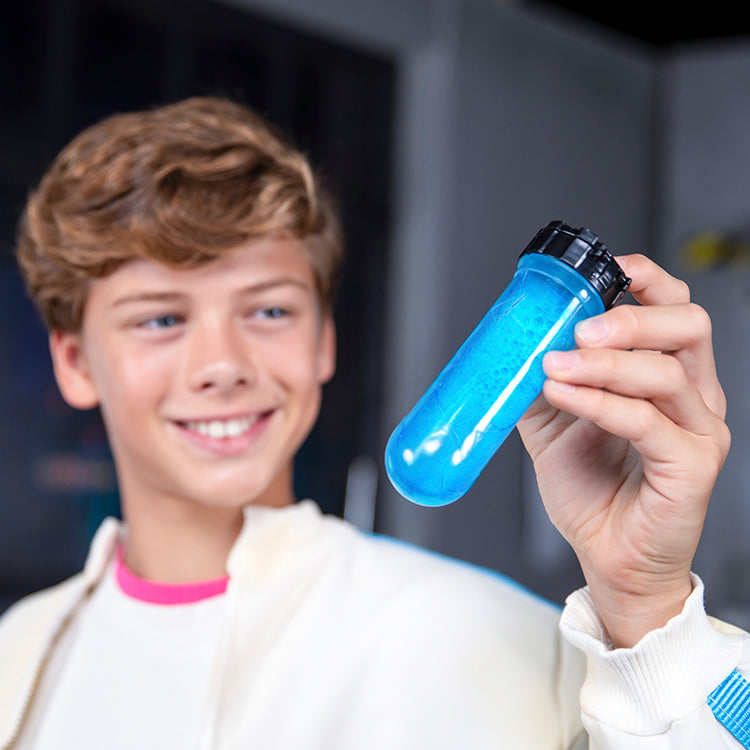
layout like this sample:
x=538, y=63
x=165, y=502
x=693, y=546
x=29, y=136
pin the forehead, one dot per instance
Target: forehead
x=256, y=263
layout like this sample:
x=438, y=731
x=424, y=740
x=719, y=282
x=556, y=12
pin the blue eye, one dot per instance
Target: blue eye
x=162, y=321
x=273, y=312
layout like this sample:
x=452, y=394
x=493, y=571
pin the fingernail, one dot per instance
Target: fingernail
x=560, y=387
x=562, y=361
x=592, y=331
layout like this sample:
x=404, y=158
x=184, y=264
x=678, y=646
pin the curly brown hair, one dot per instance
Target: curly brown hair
x=178, y=184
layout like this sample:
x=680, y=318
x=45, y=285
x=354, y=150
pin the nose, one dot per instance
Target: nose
x=218, y=359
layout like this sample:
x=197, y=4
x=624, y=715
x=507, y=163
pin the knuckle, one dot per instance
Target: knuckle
x=682, y=290
x=638, y=263
x=606, y=362
x=724, y=441
x=721, y=403
x=700, y=320
x=644, y=417
x=674, y=377
x=625, y=317
x=716, y=447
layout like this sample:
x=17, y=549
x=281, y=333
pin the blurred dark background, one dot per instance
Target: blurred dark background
x=449, y=130
x=660, y=26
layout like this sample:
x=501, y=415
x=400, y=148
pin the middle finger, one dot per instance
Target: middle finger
x=655, y=377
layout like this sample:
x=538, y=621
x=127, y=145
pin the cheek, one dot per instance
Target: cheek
x=296, y=364
x=129, y=378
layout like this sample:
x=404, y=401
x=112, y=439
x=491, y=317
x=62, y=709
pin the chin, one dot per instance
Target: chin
x=234, y=499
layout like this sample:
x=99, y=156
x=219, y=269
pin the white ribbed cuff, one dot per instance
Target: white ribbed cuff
x=663, y=678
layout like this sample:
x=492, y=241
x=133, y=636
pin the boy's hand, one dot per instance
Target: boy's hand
x=627, y=441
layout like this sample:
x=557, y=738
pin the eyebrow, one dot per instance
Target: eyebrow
x=147, y=297
x=171, y=297
x=273, y=283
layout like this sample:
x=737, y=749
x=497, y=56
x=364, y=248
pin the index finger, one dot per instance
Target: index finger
x=651, y=284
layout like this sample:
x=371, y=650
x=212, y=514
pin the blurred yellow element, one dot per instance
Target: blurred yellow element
x=709, y=250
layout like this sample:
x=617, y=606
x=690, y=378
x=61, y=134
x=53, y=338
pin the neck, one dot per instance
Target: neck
x=190, y=547
x=174, y=539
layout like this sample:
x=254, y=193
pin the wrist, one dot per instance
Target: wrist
x=628, y=615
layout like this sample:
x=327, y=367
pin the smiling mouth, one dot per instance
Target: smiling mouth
x=222, y=429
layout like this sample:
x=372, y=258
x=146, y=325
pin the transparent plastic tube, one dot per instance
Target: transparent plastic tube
x=439, y=449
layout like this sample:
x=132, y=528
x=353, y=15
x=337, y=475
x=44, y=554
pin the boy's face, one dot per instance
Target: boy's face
x=208, y=379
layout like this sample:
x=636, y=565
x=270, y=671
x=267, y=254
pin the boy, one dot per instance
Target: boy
x=184, y=261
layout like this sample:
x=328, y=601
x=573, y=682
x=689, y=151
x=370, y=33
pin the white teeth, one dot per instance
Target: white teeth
x=220, y=429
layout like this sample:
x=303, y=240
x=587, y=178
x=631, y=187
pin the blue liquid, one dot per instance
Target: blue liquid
x=437, y=452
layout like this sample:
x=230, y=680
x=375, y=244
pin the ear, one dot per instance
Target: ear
x=72, y=371
x=327, y=350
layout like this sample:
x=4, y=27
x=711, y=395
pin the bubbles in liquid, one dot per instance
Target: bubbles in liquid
x=437, y=452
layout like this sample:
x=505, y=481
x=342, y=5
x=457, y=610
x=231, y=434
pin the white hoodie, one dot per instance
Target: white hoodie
x=337, y=640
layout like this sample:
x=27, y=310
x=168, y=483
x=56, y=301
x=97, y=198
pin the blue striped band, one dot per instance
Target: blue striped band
x=730, y=703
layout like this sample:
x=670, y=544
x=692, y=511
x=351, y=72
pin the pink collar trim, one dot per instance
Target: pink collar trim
x=154, y=592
